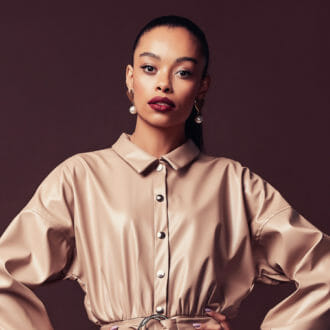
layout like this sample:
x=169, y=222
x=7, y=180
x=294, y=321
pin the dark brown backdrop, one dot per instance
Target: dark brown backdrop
x=62, y=92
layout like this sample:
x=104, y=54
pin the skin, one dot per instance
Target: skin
x=167, y=63
x=223, y=323
x=155, y=132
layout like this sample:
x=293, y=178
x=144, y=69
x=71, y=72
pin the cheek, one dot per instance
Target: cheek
x=142, y=87
x=141, y=83
x=187, y=91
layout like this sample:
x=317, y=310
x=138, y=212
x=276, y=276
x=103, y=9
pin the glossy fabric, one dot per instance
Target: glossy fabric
x=96, y=219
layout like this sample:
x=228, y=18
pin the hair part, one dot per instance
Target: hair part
x=192, y=129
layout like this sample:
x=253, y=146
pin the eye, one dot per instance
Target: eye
x=184, y=74
x=148, y=68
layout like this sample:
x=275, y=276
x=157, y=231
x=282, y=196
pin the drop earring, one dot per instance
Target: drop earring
x=198, y=119
x=132, y=108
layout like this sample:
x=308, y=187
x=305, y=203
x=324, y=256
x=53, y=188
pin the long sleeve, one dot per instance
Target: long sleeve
x=36, y=248
x=124, y=225
x=289, y=248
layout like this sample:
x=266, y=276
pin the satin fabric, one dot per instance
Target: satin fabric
x=172, y=236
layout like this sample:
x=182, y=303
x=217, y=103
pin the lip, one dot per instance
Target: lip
x=163, y=100
x=168, y=105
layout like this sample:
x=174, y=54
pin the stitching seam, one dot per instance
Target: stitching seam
x=266, y=220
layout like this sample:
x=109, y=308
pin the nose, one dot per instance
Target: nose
x=164, y=83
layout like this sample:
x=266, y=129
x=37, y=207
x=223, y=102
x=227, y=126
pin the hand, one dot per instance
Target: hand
x=222, y=324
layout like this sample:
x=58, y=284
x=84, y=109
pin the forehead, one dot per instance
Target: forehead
x=169, y=42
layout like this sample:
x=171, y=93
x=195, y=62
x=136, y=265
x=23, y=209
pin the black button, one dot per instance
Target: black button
x=160, y=234
x=159, y=198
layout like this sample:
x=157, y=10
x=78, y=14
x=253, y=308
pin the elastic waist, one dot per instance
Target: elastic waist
x=172, y=323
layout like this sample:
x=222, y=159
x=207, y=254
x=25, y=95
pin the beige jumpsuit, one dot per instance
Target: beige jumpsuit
x=166, y=236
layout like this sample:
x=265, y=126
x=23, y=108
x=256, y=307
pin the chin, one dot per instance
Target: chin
x=163, y=122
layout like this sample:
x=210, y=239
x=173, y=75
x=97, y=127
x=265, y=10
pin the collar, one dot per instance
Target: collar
x=140, y=159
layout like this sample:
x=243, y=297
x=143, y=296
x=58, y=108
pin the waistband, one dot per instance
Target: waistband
x=174, y=323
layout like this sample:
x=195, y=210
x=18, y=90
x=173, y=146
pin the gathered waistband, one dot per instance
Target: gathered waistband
x=174, y=323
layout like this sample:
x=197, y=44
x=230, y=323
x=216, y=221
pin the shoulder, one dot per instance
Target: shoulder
x=222, y=164
x=232, y=170
x=88, y=160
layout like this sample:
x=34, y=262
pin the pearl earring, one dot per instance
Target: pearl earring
x=130, y=95
x=132, y=109
x=198, y=119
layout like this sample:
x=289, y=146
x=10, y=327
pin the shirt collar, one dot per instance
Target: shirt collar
x=140, y=159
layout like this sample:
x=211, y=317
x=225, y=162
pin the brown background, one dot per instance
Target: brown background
x=62, y=92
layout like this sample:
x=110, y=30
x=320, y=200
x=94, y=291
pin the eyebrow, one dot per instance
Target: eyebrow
x=178, y=60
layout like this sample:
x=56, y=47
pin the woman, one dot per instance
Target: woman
x=158, y=234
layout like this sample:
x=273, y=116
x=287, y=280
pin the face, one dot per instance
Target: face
x=167, y=63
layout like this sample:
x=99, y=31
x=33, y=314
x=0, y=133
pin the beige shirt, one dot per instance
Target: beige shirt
x=166, y=236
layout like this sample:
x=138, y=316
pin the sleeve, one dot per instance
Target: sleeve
x=289, y=248
x=36, y=248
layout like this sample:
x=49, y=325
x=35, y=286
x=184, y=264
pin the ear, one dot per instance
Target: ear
x=204, y=86
x=129, y=77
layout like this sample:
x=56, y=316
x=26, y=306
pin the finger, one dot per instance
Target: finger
x=226, y=325
x=217, y=316
x=208, y=326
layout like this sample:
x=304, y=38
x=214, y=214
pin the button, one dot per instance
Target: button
x=159, y=167
x=159, y=198
x=161, y=234
x=159, y=309
x=160, y=274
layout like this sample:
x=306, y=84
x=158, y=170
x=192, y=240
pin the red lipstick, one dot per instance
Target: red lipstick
x=161, y=104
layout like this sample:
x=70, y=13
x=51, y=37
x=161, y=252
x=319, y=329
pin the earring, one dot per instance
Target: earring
x=198, y=119
x=132, y=109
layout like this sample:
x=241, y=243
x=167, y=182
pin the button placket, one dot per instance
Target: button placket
x=161, y=253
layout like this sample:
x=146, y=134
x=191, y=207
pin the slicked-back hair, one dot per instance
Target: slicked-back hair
x=192, y=129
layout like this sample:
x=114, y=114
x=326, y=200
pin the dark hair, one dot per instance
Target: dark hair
x=192, y=130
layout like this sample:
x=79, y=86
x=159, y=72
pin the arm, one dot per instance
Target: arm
x=293, y=249
x=289, y=248
x=36, y=248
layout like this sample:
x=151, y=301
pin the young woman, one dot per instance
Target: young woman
x=157, y=233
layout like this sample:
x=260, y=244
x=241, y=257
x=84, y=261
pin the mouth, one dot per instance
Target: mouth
x=161, y=104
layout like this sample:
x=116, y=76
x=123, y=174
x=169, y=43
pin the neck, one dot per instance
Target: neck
x=158, y=141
